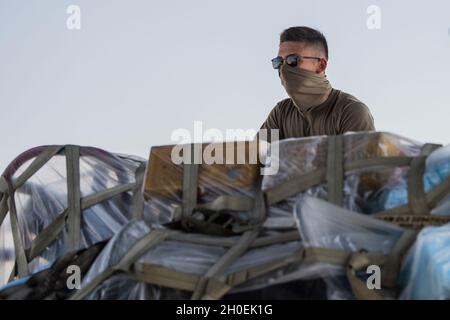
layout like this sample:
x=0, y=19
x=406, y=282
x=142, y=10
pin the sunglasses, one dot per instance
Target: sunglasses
x=292, y=60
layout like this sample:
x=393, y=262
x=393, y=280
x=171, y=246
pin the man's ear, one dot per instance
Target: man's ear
x=322, y=66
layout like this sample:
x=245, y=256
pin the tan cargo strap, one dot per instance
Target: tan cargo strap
x=394, y=260
x=73, y=197
x=227, y=202
x=96, y=198
x=228, y=242
x=138, y=194
x=294, y=186
x=3, y=202
x=202, y=289
x=50, y=233
x=335, y=173
x=149, y=241
x=378, y=161
x=190, y=185
x=335, y=169
x=297, y=184
x=259, y=208
x=416, y=191
x=172, y=278
x=21, y=259
x=212, y=223
x=433, y=197
x=164, y=277
x=36, y=164
x=216, y=287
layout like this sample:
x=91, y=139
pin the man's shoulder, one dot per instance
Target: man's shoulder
x=346, y=99
x=348, y=103
x=354, y=114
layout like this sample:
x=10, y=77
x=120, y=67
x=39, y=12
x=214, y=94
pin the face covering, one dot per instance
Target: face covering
x=307, y=89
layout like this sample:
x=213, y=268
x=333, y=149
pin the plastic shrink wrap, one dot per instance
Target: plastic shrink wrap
x=367, y=190
x=182, y=256
x=43, y=197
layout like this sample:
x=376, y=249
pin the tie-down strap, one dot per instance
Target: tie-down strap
x=70, y=216
x=216, y=282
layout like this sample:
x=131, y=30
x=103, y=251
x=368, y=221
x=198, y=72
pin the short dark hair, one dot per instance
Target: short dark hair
x=307, y=35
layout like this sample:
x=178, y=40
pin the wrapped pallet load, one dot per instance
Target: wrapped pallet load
x=57, y=199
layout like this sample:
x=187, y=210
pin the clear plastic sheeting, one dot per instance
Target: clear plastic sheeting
x=325, y=225
x=320, y=224
x=426, y=269
x=366, y=190
x=184, y=257
x=43, y=197
x=237, y=178
x=437, y=169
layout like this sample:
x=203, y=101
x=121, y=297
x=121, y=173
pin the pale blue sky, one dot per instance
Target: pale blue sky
x=137, y=70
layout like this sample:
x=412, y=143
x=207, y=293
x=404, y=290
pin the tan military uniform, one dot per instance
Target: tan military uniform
x=341, y=112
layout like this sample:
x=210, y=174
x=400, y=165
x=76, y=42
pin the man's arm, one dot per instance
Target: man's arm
x=356, y=116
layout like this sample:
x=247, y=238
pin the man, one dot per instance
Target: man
x=313, y=107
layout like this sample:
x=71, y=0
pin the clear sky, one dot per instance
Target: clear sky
x=137, y=70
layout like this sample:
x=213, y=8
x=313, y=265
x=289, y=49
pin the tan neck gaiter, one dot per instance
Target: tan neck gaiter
x=307, y=89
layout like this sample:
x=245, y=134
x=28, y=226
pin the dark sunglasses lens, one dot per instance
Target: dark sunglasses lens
x=292, y=60
x=276, y=62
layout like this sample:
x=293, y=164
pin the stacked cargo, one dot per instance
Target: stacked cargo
x=337, y=207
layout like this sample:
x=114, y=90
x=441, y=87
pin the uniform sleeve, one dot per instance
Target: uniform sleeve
x=272, y=122
x=356, y=117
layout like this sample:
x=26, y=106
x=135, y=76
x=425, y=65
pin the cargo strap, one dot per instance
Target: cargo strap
x=138, y=194
x=416, y=191
x=201, y=289
x=212, y=224
x=73, y=197
x=71, y=216
x=228, y=242
x=50, y=233
x=37, y=164
x=216, y=287
x=335, y=169
x=3, y=202
x=395, y=258
x=358, y=262
x=294, y=186
x=22, y=264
